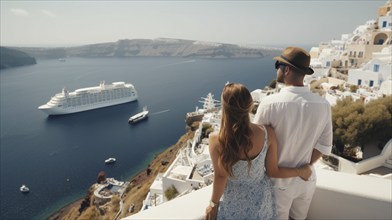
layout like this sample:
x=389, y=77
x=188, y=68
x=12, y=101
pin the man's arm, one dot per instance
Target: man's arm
x=324, y=144
x=262, y=116
x=315, y=156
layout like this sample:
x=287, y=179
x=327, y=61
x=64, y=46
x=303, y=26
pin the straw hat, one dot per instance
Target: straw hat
x=297, y=58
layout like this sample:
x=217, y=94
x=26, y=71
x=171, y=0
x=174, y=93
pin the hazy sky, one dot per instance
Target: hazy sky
x=29, y=23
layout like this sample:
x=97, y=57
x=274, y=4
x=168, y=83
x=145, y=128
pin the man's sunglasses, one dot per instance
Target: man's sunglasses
x=278, y=64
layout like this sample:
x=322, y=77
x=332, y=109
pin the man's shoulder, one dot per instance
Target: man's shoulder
x=286, y=97
x=271, y=98
x=318, y=98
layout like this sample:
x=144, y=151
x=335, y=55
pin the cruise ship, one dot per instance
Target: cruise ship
x=90, y=98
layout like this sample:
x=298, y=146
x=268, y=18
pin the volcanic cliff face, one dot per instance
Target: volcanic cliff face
x=154, y=48
x=12, y=58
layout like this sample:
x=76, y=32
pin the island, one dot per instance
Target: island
x=13, y=58
x=160, y=47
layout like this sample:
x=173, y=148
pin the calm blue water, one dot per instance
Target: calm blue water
x=43, y=152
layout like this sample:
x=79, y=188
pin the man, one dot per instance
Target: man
x=302, y=122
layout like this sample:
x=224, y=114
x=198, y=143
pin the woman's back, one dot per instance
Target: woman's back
x=248, y=194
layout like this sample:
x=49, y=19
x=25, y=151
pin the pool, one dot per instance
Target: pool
x=113, y=188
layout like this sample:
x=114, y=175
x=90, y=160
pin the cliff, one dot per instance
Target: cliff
x=134, y=194
x=12, y=58
x=161, y=47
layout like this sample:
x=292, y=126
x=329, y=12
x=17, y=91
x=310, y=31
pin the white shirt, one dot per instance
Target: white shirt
x=302, y=122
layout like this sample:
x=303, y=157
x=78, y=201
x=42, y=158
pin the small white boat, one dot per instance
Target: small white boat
x=139, y=116
x=24, y=189
x=110, y=160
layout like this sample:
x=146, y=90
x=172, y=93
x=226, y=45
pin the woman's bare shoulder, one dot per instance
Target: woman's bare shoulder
x=213, y=136
x=257, y=129
x=270, y=130
x=213, y=140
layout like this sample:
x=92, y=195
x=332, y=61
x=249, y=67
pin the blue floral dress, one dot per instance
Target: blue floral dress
x=249, y=196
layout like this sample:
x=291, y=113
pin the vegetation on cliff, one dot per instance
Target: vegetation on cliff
x=356, y=124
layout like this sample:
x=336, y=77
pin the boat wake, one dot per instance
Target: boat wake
x=160, y=112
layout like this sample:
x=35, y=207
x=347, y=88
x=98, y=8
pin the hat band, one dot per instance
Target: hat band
x=296, y=66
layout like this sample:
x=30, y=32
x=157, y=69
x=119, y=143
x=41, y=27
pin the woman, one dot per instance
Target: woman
x=239, y=154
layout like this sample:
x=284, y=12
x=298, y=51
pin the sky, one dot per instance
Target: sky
x=77, y=22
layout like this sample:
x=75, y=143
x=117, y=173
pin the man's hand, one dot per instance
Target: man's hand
x=305, y=172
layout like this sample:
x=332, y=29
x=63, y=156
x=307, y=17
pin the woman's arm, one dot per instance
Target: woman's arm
x=271, y=162
x=220, y=177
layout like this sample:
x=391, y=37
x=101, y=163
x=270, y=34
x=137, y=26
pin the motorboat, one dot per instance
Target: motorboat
x=110, y=160
x=24, y=189
x=139, y=116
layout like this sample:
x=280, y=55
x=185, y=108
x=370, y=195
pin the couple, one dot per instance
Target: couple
x=291, y=131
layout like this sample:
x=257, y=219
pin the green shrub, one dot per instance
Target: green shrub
x=171, y=192
x=357, y=124
x=353, y=88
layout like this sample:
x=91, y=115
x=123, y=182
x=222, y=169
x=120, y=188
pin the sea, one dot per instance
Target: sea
x=59, y=157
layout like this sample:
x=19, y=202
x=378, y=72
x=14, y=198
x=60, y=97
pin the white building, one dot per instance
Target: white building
x=385, y=21
x=192, y=168
x=386, y=87
x=370, y=75
x=373, y=73
x=327, y=56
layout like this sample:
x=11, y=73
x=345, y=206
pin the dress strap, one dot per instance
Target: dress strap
x=265, y=136
x=265, y=146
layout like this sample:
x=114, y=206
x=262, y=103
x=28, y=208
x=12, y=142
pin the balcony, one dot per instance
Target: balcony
x=338, y=196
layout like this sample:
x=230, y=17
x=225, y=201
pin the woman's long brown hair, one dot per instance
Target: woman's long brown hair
x=235, y=133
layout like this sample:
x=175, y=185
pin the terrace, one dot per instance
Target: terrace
x=338, y=196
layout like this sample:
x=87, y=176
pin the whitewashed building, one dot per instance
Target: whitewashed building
x=370, y=75
x=192, y=168
x=385, y=16
x=373, y=73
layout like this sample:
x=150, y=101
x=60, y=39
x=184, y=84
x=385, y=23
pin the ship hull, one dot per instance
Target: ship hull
x=62, y=111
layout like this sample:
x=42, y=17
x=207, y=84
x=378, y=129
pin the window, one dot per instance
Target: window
x=376, y=68
x=328, y=63
x=360, y=54
x=351, y=53
x=384, y=24
x=380, y=42
x=371, y=83
x=359, y=82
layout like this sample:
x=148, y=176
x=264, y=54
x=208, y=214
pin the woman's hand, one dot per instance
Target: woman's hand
x=211, y=213
x=305, y=172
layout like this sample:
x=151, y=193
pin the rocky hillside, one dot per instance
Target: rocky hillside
x=12, y=58
x=154, y=48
